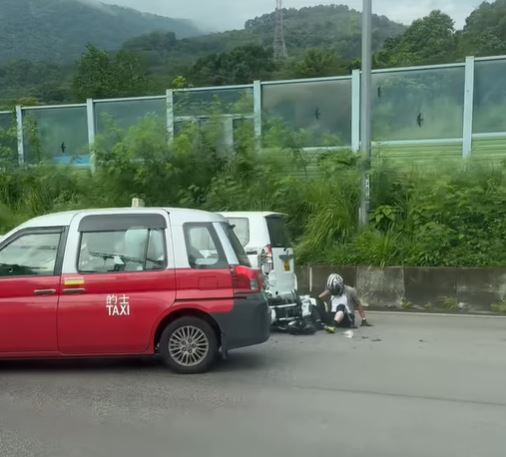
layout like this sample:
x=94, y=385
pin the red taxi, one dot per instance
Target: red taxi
x=128, y=282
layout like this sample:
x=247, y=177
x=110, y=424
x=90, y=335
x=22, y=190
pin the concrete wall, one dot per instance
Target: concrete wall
x=444, y=289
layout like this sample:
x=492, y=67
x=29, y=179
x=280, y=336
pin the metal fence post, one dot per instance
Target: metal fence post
x=467, y=135
x=90, y=116
x=257, y=113
x=365, y=111
x=355, y=110
x=170, y=115
x=228, y=132
x=19, y=124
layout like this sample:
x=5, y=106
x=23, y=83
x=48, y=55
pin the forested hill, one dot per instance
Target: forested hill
x=335, y=27
x=58, y=30
x=322, y=41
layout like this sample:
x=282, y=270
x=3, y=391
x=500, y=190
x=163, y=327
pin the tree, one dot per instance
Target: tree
x=44, y=80
x=179, y=82
x=154, y=48
x=156, y=41
x=485, y=30
x=429, y=40
x=129, y=75
x=320, y=62
x=52, y=92
x=242, y=65
x=101, y=75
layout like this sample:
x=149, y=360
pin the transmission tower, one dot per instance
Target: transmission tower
x=280, y=51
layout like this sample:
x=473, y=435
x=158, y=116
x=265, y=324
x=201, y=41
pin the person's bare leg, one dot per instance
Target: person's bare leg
x=331, y=328
x=339, y=317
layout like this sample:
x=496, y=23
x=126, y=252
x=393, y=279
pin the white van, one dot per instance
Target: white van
x=266, y=241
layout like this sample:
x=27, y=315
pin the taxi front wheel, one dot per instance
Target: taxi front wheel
x=188, y=345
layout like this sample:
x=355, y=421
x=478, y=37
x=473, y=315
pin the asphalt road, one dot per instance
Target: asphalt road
x=411, y=386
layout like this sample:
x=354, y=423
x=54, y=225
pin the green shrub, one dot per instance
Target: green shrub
x=8, y=147
x=406, y=305
x=449, y=214
x=450, y=304
x=499, y=308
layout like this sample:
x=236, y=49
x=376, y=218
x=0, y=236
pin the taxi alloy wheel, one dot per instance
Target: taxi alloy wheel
x=189, y=345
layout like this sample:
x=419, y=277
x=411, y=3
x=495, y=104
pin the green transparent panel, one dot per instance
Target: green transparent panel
x=423, y=153
x=215, y=101
x=113, y=119
x=489, y=148
x=56, y=134
x=489, y=97
x=181, y=127
x=244, y=127
x=125, y=114
x=418, y=105
x=318, y=113
x=8, y=139
x=7, y=120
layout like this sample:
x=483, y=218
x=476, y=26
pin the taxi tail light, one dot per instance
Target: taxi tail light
x=246, y=280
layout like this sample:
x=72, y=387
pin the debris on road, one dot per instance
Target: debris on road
x=349, y=334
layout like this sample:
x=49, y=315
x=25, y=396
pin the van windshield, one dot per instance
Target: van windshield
x=236, y=245
x=278, y=232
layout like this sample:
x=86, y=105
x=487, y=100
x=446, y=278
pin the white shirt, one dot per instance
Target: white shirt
x=340, y=300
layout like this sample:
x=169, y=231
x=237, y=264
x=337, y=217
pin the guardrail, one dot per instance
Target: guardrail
x=458, y=105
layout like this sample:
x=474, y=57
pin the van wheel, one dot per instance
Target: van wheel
x=188, y=345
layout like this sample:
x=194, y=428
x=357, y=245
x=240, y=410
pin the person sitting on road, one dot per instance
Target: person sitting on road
x=342, y=301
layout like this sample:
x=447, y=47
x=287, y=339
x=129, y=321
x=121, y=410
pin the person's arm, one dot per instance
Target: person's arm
x=325, y=298
x=325, y=295
x=360, y=309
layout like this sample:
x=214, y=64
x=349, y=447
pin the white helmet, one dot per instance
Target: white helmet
x=335, y=284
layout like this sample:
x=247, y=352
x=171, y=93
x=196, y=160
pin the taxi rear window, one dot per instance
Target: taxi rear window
x=241, y=228
x=203, y=247
x=236, y=245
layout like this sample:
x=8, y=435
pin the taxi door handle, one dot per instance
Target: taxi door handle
x=39, y=292
x=74, y=291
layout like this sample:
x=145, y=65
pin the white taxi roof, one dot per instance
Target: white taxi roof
x=250, y=213
x=177, y=216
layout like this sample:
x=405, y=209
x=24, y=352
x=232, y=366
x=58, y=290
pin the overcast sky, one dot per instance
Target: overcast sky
x=227, y=14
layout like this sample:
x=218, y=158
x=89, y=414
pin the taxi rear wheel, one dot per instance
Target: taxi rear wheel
x=189, y=345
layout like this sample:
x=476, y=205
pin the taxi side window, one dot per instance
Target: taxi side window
x=132, y=250
x=30, y=255
x=203, y=247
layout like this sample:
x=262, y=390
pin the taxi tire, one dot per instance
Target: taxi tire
x=212, y=340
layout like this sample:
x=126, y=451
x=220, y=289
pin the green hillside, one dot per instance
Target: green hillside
x=335, y=27
x=58, y=30
x=321, y=41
